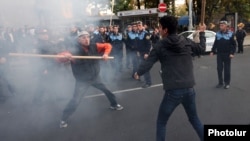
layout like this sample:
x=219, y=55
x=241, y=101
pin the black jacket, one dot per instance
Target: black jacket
x=85, y=69
x=224, y=43
x=174, y=53
x=143, y=42
x=45, y=48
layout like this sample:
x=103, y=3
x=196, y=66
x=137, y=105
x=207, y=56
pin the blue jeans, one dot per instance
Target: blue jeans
x=171, y=100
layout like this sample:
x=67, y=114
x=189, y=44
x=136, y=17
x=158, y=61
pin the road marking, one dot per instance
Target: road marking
x=123, y=91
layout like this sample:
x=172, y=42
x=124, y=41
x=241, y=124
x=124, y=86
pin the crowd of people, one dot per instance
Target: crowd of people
x=42, y=40
x=142, y=50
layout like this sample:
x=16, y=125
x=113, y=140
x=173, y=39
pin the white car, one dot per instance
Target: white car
x=210, y=37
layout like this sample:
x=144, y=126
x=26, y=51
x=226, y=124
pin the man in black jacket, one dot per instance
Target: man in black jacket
x=86, y=73
x=175, y=55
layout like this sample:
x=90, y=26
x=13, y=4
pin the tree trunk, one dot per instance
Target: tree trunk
x=138, y=4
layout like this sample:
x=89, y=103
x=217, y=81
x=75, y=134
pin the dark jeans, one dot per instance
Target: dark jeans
x=171, y=100
x=80, y=89
x=240, y=46
x=146, y=75
x=42, y=86
x=128, y=57
x=224, y=63
x=135, y=61
x=6, y=89
x=117, y=62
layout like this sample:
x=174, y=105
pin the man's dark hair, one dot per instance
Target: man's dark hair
x=169, y=22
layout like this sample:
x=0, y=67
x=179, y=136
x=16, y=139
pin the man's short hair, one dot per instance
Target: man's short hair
x=139, y=22
x=134, y=23
x=82, y=33
x=115, y=26
x=223, y=22
x=169, y=22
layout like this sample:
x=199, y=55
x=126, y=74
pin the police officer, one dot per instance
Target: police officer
x=132, y=41
x=116, y=41
x=224, y=46
x=69, y=40
x=128, y=45
x=44, y=66
x=144, y=46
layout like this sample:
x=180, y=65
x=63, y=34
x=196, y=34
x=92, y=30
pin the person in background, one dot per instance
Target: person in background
x=6, y=88
x=143, y=49
x=116, y=41
x=240, y=36
x=70, y=38
x=197, y=38
x=132, y=41
x=45, y=68
x=224, y=46
x=128, y=46
x=155, y=37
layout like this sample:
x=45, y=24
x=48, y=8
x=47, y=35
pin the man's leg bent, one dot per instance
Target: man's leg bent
x=80, y=90
x=190, y=108
x=168, y=105
x=111, y=97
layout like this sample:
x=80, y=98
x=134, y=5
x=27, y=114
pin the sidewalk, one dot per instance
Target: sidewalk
x=247, y=40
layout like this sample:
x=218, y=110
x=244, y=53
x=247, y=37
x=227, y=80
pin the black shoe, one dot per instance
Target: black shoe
x=219, y=86
x=146, y=85
x=226, y=87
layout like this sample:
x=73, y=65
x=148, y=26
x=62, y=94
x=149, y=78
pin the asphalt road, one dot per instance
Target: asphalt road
x=23, y=120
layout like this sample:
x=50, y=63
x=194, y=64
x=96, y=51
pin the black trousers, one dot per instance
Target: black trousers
x=80, y=89
x=128, y=57
x=224, y=64
x=6, y=89
x=240, y=45
x=117, y=62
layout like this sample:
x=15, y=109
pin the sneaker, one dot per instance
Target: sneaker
x=63, y=124
x=117, y=107
x=219, y=86
x=146, y=85
x=226, y=87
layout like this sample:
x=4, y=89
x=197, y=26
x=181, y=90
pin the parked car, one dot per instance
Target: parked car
x=210, y=37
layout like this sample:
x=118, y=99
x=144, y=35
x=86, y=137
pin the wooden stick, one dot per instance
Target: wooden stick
x=203, y=7
x=56, y=56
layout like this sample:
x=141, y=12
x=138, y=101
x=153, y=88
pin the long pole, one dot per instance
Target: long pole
x=55, y=56
x=112, y=9
x=190, y=25
x=203, y=5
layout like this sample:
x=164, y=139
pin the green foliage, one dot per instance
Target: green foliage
x=122, y=5
x=221, y=7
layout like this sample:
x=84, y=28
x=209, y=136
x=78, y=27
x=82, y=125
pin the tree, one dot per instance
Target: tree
x=122, y=5
x=215, y=8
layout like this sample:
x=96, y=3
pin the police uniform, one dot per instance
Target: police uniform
x=224, y=46
x=144, y=46
x=132, y=40
x=116, y=41
x=128, y=46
